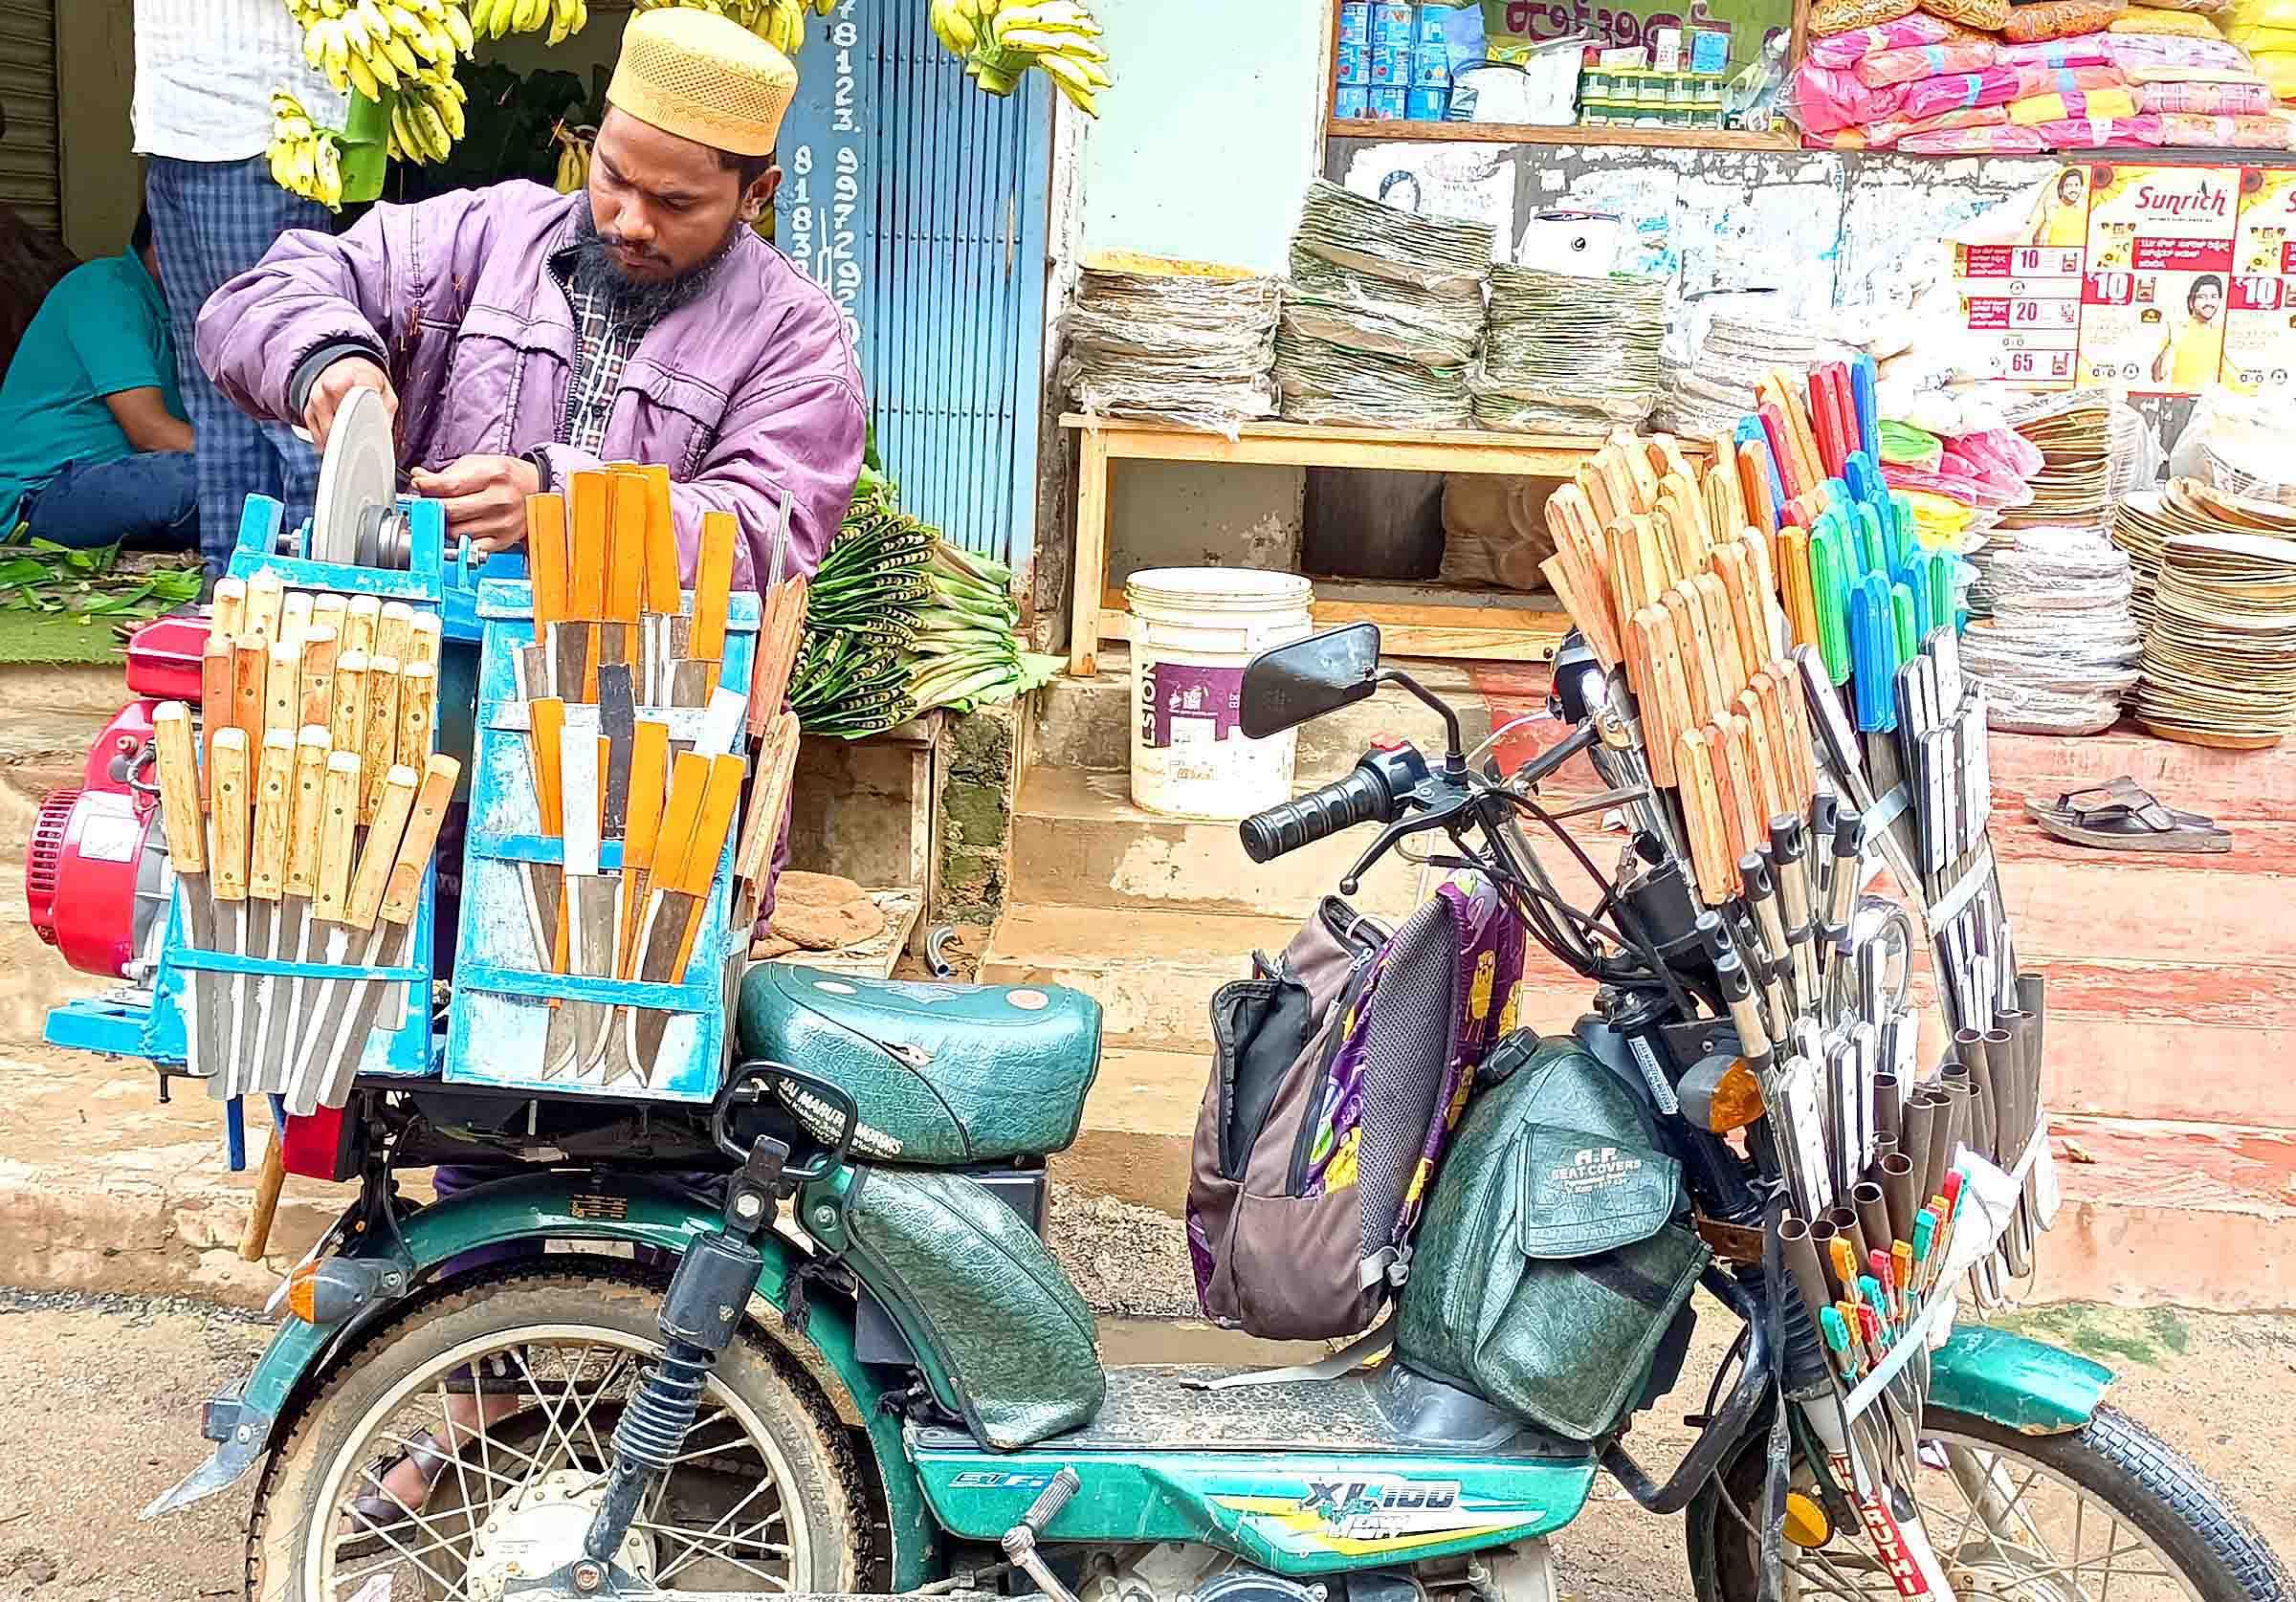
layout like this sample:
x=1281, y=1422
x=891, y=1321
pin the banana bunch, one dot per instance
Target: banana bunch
x=780, y=23
x=574, y=145
x=426, y=119
x=1000, y=40
x=304, y=158
x=495, y=18
x=373, y=45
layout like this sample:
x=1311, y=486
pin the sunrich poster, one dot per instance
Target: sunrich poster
x=2260, y=321
x=2023, y=305
x=2159, y=276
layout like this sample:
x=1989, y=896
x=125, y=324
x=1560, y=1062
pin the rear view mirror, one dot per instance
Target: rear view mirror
x=1298, y=683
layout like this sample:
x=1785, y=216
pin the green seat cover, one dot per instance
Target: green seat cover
x=957, y=1074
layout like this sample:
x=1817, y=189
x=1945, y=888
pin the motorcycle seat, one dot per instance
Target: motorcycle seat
x=950, y=1074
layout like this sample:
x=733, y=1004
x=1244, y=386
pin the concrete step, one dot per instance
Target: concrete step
x=1140, y=1122
x=1079, y=842
x=1153, y=972
x=1087, y=722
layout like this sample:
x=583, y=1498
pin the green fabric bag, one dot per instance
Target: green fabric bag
x=1557, y=1250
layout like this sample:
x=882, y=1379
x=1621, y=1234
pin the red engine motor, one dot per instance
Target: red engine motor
x=94, y=878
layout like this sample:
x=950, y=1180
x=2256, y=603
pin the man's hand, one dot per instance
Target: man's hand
x=485, y=496
x=334, y=386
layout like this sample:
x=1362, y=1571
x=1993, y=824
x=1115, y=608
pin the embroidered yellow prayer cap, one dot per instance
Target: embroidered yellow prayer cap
x=703, y=78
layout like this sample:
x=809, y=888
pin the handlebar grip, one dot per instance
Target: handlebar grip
x=1051, y=1499
x=1359, y=796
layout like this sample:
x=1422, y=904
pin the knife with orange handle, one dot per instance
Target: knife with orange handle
x=179, y=780
x=1770, y=782
x=547, y=719
x=1742, y=598
x=590, y=513
x=1679, y=493
x=720, y=802
x=679, y=903
x=315, y=693
x=1586, y=613
x=1794, y=587
x=1693, y=636
x=1795, y=716
x=1636, y=466
x=547, y=561
x=695, y=676
x=1596, y=488
x=1750, y=822
x=1753, y=488
x=663, y=597
x=663, y=926
x=626, y=571
x=217, y=692
x=251, y=658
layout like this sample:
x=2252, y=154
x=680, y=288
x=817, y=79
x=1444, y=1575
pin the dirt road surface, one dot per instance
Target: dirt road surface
x=103, y=1395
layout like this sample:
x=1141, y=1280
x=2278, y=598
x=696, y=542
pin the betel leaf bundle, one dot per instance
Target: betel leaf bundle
x=901, y=621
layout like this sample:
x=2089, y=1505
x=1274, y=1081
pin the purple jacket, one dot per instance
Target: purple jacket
x=747, y=392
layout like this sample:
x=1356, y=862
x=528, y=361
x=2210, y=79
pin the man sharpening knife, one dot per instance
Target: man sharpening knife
x=522, y=335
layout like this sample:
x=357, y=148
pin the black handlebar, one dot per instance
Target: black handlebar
x=1363, y=795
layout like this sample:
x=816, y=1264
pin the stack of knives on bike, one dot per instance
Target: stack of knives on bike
x=1800, y=720
x=634, y=739
x=301, y=841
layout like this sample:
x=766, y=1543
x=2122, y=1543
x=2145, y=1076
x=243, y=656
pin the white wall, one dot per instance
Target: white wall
x=1201, y=150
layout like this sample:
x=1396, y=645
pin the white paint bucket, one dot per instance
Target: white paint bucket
x=1193, y=630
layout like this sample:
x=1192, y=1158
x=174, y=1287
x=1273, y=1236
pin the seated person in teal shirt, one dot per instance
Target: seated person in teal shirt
x=93, y=448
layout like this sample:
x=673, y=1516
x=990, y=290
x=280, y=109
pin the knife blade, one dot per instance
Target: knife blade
x=617, y=727
x=391, y=943
x=331, y=1039
x=340, y=790
x=580, y=1025
x=227, y=879
x=625, y=570
x=188, y=854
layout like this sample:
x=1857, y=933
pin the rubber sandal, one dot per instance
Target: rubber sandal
x=2119, y=815
x=374, y=1510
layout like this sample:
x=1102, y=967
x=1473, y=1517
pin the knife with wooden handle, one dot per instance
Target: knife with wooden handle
x=316, y=691
x=1741, y=590
x=188, y=853
x=418, y=711
x=227, y=613
x=1730, y=671
x=768, y=812
x=251, y=658
x=227, y=879
x=423, y=641
x=1769, y=783
x=360, y=618
x=217, y=701
x=590, y=512
x=266, y=599
x=327, y=610
x=264, y=1043
x=1701, y=816
x=1643, y=482
x=1649, y=635
x=294, y=619
x=1688, y=617
x=378, y=740
x=391, y=945
x=778, y=645
x=349, y=941
x=1748, y=822
x=394, y=630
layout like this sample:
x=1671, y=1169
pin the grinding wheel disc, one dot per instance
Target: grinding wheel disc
x=358, y=474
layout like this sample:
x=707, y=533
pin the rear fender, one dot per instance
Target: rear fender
x=245, y=1425
x=2021, y=1384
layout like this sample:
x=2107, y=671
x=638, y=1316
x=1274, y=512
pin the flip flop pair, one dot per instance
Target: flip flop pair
x=2120, y=815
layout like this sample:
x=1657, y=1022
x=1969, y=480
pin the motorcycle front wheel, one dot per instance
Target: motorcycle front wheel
x=2109, y=1509
x=525, y=1373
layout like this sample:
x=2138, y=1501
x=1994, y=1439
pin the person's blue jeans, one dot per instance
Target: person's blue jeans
x=212, y=221
x=150, y=500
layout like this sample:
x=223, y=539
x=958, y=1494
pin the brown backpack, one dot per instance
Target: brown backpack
x=1339, y=1070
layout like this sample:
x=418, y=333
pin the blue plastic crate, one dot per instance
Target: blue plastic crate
x=502, y=1009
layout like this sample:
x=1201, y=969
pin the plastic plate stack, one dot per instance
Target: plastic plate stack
x=1182, y=341
x=2219, y=663
x=1709, y=393
x=1570, y=355
x=1383, y=316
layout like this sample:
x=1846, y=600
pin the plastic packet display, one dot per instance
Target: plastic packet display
x=1906, y=33
x=1930, y=97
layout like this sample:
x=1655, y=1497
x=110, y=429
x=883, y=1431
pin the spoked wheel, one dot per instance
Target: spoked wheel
x=524, y=1377
x=2106, y=1513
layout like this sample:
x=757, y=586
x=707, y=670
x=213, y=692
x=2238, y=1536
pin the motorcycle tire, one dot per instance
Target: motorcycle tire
x=2200, y=1538
x=824, y=1500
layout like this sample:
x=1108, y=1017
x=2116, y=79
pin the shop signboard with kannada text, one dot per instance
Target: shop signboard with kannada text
x=2144, y=279
x=1516, y=26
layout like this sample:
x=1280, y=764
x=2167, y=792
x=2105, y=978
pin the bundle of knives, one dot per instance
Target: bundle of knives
x=1785, y=706
x=637, y=749
x=301, y=822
